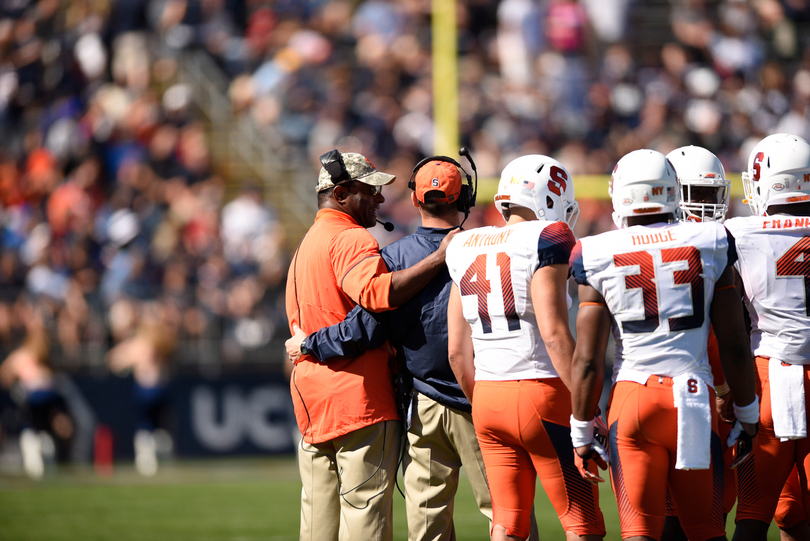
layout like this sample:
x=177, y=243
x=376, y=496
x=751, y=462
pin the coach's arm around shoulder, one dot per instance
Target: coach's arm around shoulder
x=408, y=282
x=459, y=344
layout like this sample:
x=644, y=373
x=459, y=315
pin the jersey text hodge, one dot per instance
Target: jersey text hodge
x=652, y=239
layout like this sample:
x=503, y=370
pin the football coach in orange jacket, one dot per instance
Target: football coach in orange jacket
x=346, y=409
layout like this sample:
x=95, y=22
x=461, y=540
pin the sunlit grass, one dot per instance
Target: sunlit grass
x=209, y=500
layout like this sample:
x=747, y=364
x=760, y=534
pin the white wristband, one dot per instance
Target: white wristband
x=581, y=432
x=748, y=414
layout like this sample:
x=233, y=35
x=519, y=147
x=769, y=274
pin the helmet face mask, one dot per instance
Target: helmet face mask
x=703, y=203
x=643, y=183
x=541, y=184
x=778, y=173
x=704, y=186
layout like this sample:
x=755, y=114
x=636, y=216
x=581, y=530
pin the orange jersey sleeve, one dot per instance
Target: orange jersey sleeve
x=360, y=269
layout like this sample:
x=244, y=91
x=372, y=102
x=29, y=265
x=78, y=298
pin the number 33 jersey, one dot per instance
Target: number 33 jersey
x=774, y=263
x=493, y=269
x=658, y=283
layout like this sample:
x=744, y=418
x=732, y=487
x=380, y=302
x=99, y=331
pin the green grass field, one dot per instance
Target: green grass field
x=211, y=500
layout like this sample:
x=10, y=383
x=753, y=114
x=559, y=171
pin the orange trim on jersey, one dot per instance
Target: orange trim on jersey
x=589, y=303
x=722, y=288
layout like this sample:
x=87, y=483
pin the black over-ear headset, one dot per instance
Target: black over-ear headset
x=332, y=161
x=466, y=198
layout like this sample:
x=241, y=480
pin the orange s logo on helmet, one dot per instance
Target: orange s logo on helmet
x=757, y=164
x=558, y=182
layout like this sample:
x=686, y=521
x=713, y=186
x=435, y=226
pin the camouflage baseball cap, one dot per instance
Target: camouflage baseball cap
x=359, y=169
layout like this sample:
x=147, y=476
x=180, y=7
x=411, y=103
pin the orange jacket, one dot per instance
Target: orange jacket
x=337, y=266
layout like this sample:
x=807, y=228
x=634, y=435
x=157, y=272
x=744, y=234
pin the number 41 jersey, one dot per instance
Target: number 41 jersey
x=658, y=283
x=493, y=269
x=774, y=265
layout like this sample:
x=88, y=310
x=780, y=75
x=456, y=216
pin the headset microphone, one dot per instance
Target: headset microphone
x=387, y=225
x=466, y=153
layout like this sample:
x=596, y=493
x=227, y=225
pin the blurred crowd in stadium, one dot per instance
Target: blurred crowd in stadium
x=116, y=221
x=112, y=215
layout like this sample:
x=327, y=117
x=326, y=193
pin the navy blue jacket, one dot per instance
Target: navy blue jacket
x=417, y=329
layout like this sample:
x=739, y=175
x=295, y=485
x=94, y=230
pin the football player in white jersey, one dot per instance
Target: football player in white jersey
x=658, y=283
x=773, y=247
x=704, y=195
x=510, y=348
x=704, y=187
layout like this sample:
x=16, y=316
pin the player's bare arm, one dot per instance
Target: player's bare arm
x=549, y=285
x=735, y=349
x=460, y=345
x=588, y=366
x=724, y=402
x=588, y=363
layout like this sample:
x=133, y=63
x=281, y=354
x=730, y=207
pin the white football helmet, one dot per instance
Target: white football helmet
x=778, y=173
x=704, y=186
x=643, y=183
x=539, y=183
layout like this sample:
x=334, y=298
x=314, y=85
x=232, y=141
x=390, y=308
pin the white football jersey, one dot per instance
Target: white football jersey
x=658, y=283
x=493, y=269
x=774, y=263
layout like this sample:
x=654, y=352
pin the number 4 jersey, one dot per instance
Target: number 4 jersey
x=774, y=264
x=658, y=283
x=493, y=269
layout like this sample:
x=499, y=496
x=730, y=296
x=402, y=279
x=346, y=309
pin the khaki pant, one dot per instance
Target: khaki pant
x=440, y=441
x=348, y=485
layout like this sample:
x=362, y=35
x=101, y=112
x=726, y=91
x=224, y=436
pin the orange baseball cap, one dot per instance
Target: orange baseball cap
x=440, y=176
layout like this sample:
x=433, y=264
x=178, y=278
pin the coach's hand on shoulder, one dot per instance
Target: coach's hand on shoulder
x=446, y=242
x=583, y=456
x=293, y=345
